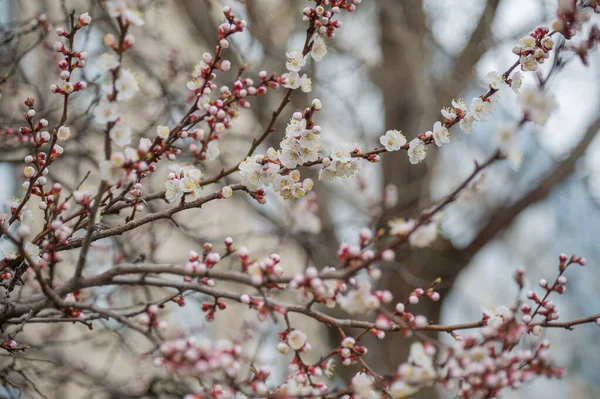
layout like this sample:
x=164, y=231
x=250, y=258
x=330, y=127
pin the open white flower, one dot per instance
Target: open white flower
x=517, y=82
x=121, y=134
x=212, y=150
x=362, y=384
x=423, y=236
x=319, y=48
x=466, y=123
x=126, y=85
x=296, y=60
x=393, y=140
x=108, y=61
x=495, y=79
x=441, y=134
x=416, y=151
x=528, y=63
x=106, y=111
x=296, y=339
x=527, y=43
x=480, y=109
x=255, y=174
x=173, y=190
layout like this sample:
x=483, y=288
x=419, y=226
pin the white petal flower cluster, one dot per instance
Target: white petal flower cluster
x=185, y=179
x=531, y=54
x=537, y=105
x=289, y=185
x=340, y=164
x=296, y=60
x=300, y=145
x=362, y=300
x=293, y=80
x=257, y=171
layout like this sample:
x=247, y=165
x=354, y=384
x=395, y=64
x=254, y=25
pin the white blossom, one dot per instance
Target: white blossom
x=108, y=61
x=212, y=150
x=362, y=384
x=517, y=82
x=255, y=174
x=296, y=339
x=126, y=85
x=63, y=133
x=393, y=140
x=121, y=134
x=441, y=135
x=528, y=63
x=106, y=111
x=424, y=235
x=495, y=80
x=466, y=123
x=480, y=109
x=416, y=151
x=319, y=48
x=173, y=190
x=527, y=43
x=295, y=60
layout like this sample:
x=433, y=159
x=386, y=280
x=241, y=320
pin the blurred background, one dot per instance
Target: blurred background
x=393, y=65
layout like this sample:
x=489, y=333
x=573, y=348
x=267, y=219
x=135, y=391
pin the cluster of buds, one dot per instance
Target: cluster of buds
x=534, y=48
x=583, y=49
x=73, y=311
x=570, y=17
x=12, y=346
x=66, y=64
x=352, y=255
x=41, y=21
x=261, y=306
x=203, y=74
x=199, y=265
x=61, y=233
x=323, y=18
x=211, y=308
x=349, y=352
x=217, y=361
x=313, y=288
x=262, y=271
x=485, y=368
x=150, y=318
